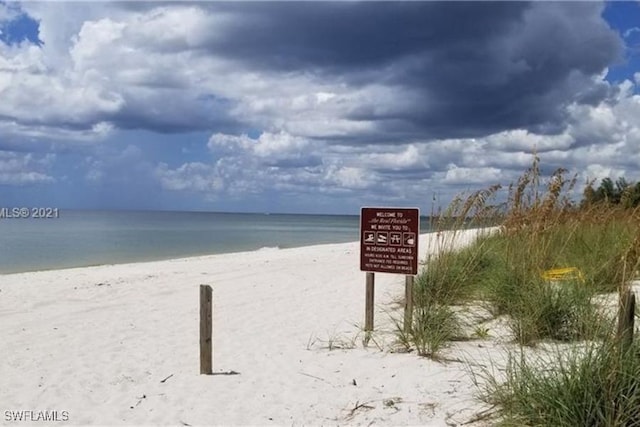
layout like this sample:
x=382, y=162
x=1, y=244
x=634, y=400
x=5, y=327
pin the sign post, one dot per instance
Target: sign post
x=408, y=303
x=389, y=244
x=369, y=298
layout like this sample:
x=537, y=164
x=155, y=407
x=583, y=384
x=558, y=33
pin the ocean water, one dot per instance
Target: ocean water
x=82, y=238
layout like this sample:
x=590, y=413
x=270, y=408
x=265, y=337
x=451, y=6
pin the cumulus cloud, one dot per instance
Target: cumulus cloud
x=193, y=176
x=25, y=169
x=631, y=31
x=21, y=137
x=278, y=150
x=411, y=158
x=353, y=100
x=8, y=12
x=105, y=73
x=241, y=165
x=471, y=176
x=321, y=69
x=601, y=140
x=519, y=140
x=349, y=177
x=32, y=97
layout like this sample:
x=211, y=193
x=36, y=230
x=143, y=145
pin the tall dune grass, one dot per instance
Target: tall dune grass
x=542, y=227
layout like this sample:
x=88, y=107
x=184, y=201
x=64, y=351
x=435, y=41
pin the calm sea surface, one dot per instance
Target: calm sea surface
x=82, y=238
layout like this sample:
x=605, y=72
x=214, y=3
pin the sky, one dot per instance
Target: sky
x=309, y=107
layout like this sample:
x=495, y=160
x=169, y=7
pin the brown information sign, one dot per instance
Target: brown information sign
x=389, y=240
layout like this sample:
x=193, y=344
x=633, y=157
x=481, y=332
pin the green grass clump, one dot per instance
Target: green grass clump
x=445, y=279
x=452, y=275
x=559, y=312
x=592, y=385
x=434, y=326
x=434, y=323
x=594, y=242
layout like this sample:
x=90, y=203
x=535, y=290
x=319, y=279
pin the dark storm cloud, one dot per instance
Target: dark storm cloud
x=175, y=114
x=350, y=36
x=478, y=67
x=448, y=69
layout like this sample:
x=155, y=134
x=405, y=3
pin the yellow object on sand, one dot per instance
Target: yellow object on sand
x=559, y=274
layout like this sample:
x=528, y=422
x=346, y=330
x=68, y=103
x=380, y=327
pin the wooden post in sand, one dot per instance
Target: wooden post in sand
x=626, y=317
x=408, y=303
x=369, y=298
x=206, y=329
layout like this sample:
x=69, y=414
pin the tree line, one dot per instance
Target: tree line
x=620, y=192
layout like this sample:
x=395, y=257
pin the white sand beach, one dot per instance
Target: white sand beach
x=118, y=344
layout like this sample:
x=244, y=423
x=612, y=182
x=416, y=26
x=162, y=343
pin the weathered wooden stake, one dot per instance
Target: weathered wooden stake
x=626, y=318
x=408, y=303
x=369, y=298
x=206, y=330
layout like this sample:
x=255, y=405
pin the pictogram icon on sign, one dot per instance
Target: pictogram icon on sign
x=383, y=238
x=395, y=239
x=409, y=239
x=369, y=237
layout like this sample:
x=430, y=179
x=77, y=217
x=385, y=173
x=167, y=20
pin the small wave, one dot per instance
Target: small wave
x=269, y=248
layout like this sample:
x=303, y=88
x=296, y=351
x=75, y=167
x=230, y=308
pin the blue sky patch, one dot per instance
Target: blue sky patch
x=624, y=17
x=22, y=28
